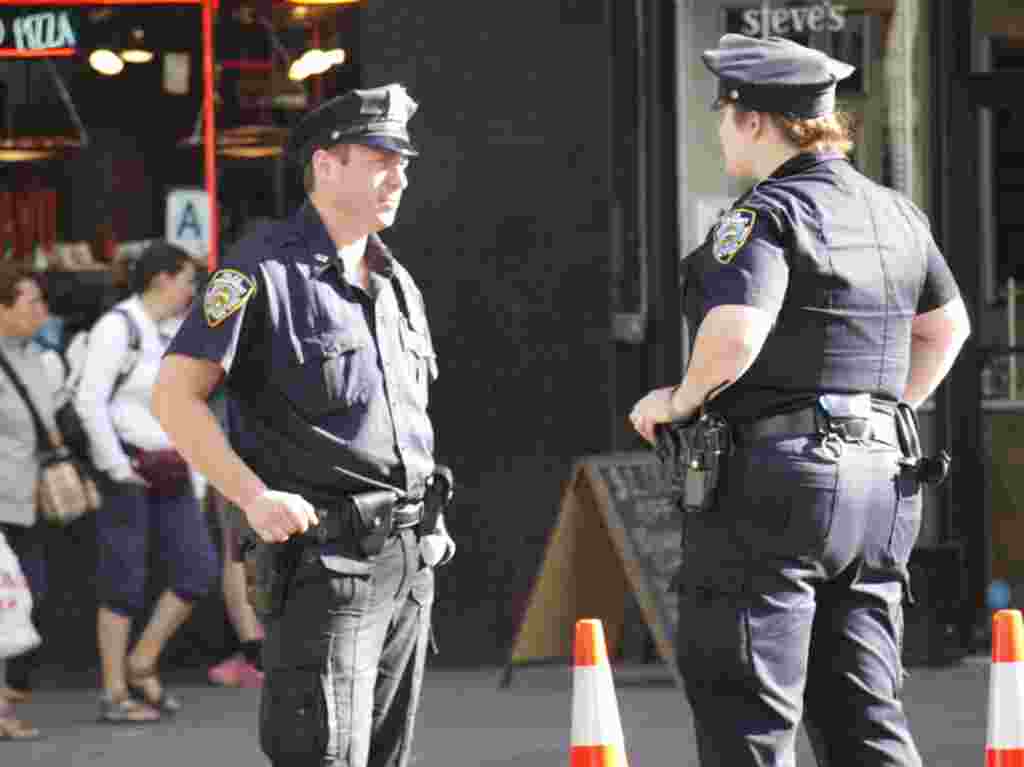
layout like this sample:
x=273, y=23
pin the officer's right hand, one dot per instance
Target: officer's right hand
x=275, y=516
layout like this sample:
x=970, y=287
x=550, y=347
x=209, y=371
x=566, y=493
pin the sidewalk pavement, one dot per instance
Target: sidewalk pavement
x=468, y=721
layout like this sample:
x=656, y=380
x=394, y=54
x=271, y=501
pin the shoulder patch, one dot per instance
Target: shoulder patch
x=732, y=233
x=227, y=292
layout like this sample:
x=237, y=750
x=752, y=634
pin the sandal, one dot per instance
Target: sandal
x=15, y=729
x=126, y=710
x=14, y=695
x=137, y=678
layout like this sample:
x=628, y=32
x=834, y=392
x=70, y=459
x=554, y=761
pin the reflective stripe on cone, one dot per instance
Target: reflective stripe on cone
x=597, y=739
x=1004, y=741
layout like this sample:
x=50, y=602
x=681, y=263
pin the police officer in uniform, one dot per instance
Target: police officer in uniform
x=321, y=337
x=821, y=303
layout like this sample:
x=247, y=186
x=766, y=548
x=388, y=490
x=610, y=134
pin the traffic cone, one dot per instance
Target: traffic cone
x=596, y=730
x=1004, y=741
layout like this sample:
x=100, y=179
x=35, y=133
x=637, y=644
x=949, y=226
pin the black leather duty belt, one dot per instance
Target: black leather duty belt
x=879, y=427
x=342, y=522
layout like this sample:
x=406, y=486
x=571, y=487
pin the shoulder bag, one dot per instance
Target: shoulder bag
x=66, y=492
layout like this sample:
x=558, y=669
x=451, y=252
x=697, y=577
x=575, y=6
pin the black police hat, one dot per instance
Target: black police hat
x=375, y=117
x=773, y=74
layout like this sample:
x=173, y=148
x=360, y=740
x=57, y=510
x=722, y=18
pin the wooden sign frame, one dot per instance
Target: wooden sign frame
x=592, y=558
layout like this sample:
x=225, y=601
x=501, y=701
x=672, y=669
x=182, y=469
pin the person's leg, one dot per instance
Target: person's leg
x=187, y=549
x=747, y=599
x=402, y=664
x=743, y=658
x=856, y=678
x=12, y=728
x=121, y=534
x=321, y=657
x=856, y=671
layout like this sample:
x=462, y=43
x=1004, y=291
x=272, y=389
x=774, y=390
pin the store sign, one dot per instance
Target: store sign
x=38, y=32
x=793, y=20
x=188, y=220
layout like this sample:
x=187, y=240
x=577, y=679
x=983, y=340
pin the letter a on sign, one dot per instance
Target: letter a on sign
x=188, y=220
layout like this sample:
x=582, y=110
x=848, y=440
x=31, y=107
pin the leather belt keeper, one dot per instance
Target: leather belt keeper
x=879, y=427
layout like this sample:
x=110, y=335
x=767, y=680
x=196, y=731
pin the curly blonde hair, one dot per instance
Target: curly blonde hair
x=817, y=134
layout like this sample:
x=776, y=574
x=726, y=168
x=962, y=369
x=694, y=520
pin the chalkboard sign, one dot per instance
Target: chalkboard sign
x=618, y=531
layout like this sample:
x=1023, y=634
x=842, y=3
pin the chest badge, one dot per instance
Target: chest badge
x=228, y=291
x=732, y=233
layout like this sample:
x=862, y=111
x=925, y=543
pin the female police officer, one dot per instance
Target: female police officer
x=820, y=302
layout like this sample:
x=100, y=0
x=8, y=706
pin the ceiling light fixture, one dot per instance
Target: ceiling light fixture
x=323, y=2
x=15, y=148
x=137, y=53
x=106, y=62
x=315, y=62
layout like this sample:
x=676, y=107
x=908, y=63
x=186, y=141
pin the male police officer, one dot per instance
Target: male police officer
x=323, y=339
x=822, y=302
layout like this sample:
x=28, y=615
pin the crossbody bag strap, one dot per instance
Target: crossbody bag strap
x=42, y=435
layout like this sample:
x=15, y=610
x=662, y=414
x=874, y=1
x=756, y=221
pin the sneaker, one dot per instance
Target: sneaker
x=236, y=671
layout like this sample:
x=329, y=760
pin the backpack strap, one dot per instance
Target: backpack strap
x=134, y=346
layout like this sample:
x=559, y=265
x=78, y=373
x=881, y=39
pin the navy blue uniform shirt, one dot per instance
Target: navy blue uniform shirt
x=841, y=263
x=282, y=319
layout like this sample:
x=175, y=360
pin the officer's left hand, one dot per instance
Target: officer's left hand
x=653, y=409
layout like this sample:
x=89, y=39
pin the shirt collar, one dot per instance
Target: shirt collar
x=805, y=161
x=324, y=253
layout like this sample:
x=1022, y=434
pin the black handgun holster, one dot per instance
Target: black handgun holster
x=269, y=568
x=691, y=454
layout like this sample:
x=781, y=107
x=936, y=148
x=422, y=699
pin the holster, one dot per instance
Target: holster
x=691, y=454
x=439, y=494
x=931, y=470
x=269, y=569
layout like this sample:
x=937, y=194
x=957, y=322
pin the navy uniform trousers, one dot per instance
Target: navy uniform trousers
x=344, y=662
x=791, y=605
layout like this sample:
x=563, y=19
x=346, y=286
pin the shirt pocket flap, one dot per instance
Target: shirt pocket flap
x=345, y=566
x=329, y=344
x=418, y=343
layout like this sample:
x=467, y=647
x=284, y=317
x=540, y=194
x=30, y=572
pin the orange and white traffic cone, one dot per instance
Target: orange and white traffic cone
x=596, y=729
x=1004, y=741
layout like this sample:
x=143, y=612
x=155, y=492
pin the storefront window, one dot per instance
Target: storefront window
x=886, y=40
x=998, y=46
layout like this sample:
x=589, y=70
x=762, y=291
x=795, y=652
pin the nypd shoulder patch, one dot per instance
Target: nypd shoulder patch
x=227, y=292
x=732, y=233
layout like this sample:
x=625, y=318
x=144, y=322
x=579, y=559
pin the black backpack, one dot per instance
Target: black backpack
x=76, y=439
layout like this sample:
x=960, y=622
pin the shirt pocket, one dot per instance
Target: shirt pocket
x=334, y=372
x=420, y=358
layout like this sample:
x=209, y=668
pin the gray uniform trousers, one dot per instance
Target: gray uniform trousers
x=344, y=663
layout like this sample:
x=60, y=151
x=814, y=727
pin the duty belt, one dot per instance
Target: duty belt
x=878, y=427
x=342, y=522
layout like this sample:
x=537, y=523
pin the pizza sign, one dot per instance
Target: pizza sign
x=38, y=32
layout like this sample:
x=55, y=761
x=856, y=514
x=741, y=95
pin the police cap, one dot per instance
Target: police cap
x=375, y=117
x=773, y=74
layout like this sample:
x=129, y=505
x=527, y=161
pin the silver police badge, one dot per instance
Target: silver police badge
x=227, y=292
x=732, y=233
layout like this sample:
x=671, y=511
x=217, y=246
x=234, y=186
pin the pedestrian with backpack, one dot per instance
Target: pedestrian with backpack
x=146, y=486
